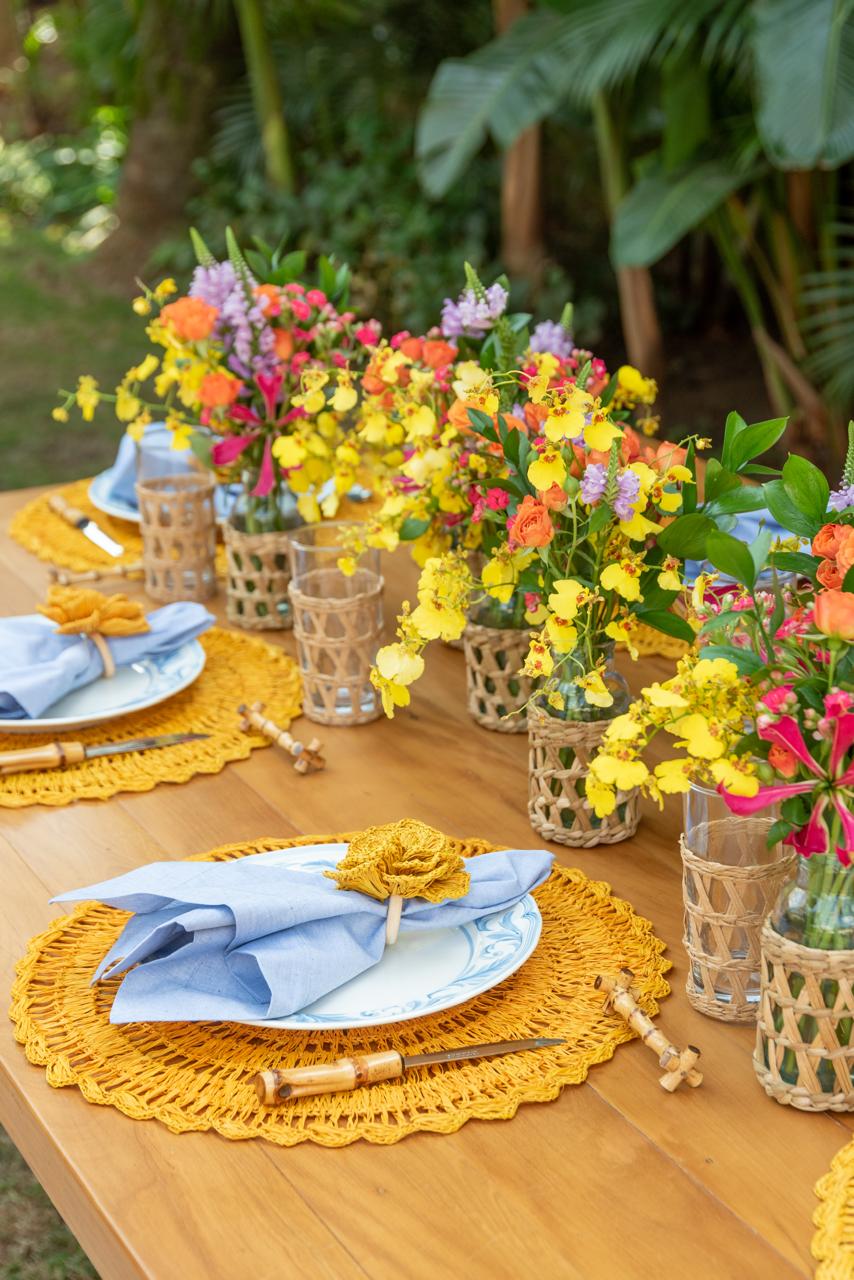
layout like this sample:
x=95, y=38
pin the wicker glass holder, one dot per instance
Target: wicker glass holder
x=494, y=688
x=258, y=574
x=559, y=755
x=178, y=528
x=338, y=625
x=804, y=1053
x=726, y=903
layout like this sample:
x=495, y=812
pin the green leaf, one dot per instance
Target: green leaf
x=718, y=481
x=599, y=517
x=731, y=556
x=806, y=486
x=748, y=663
x=848, y=580
x=747, y=497
x=733, y=427
x=201, y=443
x=412, y=528
x=661, y=209
x=480, y=421
x=786, y=513
x=689, y=489
x=759, y=549
x=686, y=537
x=778, y=831
x=670, y=623
x=796, y=810
x=755, y=440
x=804, y=51
x=795, y=562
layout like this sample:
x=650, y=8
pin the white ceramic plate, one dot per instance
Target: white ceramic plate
x=101, y=497
x=423, y=972
x=132, y=688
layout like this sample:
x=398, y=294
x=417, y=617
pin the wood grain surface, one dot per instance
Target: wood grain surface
x=615, y=1180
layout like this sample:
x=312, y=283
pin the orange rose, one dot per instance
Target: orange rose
x=271, y=293
x=554, y=498
x=190, y=319
x=218, y=390
x=436, y=353
x=826, y=541
x=783, y=760
x=284, y=343
x=411, y=347
x=845, y=550
x=834, y=614
x=829, y=576
x=665, y=455
x=532, y=525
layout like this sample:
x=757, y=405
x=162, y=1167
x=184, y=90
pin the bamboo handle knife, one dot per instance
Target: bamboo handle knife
x=72, y=514
x=56, y=755
x=327, y=1077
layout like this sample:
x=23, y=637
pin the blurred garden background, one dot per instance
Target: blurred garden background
x=680, y=172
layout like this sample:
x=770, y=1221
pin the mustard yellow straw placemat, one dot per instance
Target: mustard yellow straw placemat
x=41, y=531
x=198, y=1076
x=208, y=706
x=833, y=1242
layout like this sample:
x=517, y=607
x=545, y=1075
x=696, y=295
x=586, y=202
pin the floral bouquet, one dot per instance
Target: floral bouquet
x=257, y=377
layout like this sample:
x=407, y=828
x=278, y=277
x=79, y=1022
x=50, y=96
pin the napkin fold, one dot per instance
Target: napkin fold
x=746, y=526
x=38, y=666
x=158, y=459
x=251, y=939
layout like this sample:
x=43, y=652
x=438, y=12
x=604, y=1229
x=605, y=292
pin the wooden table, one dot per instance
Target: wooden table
x=615, y=1180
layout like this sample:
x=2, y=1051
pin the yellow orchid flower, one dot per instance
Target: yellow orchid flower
x=87, y=396
x=639, y=527
x=715, y=670
x=308, y=507
x=499, y=578
x=624, y=774
x=623, y=630
x=419, y=421
x=674, y=776
x=668, y=578
x=735, y=774
x=623, y=576
x=538, y=660
x=127, y=404
x=396, y=662
x=547, y=469
x=602, y=798
x=434, y=620
x=697, y=736
x=601, y=433
x=566, y=598
x=563, y=635
x=658, y=695
x=596, y=692
x=624, y=728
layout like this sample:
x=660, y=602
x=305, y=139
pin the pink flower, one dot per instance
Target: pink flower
x=837, y=702
x=225, y=451
x=300, y=309
x=532, y=601
x=267, y=475
x=294, y=287
x=316, y=297
x=396, y=339
x=775, y=699
x=369, y=334
x=497, y=499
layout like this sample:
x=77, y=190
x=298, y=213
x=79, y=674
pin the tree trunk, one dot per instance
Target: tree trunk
x=177, y=88
x=641, y=330
x=266, y=95
x=521, y=204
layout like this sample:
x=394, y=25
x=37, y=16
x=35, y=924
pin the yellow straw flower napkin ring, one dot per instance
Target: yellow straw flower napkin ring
x=401, y=860
x=84, y=611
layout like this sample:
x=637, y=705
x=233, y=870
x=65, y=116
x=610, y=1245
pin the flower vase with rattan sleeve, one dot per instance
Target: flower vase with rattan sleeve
x=561, y=744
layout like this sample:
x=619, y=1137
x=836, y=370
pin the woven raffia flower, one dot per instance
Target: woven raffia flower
x=83, y=611
x=406, y=858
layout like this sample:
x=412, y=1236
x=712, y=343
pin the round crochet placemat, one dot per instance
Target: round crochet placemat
x=651, y=643
x=833, y=1242
x=198, y=1076
x=40, y=530
x=209, y=706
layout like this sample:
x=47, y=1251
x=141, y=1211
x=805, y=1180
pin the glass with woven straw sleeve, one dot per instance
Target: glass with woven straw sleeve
x=338, y=624
x=562, y=740
x=730, y=879
x=495, y=643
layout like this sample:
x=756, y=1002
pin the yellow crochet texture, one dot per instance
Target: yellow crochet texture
x=195, y=1077
x=833, y=1242
x=238, y=668
x=651, y=643
x=407, y=858
x=51, y=538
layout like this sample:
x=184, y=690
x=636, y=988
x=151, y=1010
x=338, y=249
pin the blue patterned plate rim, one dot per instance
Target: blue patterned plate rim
x=466, y=960
x=133, y=688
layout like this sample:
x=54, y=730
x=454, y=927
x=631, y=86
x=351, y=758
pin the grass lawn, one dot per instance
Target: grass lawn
x=35, y=1244
x=54, y=325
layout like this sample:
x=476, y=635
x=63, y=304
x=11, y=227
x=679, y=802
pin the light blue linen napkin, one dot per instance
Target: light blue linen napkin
x=250, y=939
x=158, y=459
x=746, y=526
x=38, y=666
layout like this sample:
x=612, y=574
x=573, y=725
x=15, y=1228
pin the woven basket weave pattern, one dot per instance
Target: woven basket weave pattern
x=178, y=528
x=803, y=1027
x=494, y=688
x=338, y=629
x=258, y=575
x=559, y=755
x=725, y=907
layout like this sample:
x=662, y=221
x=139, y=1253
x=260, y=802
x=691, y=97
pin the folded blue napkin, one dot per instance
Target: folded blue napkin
x=746, y=526
x=158, y=459
x=250, y=939
x=38, y=666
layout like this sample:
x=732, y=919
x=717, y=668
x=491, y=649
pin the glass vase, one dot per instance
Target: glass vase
x=730, y=880
x=275, y=512
x=561, y=743
x=496, y=643
x=804, y=1052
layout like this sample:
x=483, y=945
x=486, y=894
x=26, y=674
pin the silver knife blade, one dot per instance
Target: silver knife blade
x=96, y=534
x=142, y=744
x=478, y=1051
